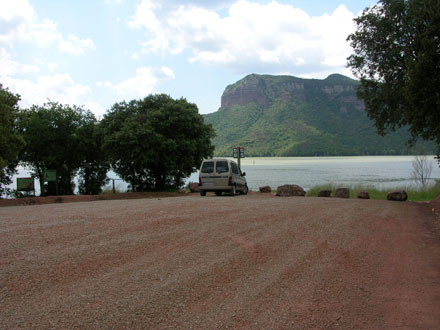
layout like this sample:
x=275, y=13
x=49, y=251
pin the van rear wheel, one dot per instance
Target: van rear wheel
x=202, y=193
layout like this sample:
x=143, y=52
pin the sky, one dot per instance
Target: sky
x=95, y=53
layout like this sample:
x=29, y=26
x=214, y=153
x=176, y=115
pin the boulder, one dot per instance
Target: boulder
x=194, y=187
x=342, y=193
x=265, y=189
x=363, y=194
x=324, y=193
x=290, y=190
x=399, y=195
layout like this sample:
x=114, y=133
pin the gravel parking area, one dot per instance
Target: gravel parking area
x=244, y=262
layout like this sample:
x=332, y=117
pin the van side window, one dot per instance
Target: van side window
x=222, y=167
x=208, y=167
x=234, y=168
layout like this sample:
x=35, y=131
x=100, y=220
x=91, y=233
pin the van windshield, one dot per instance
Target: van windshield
x=208, y=167
x=222, y=167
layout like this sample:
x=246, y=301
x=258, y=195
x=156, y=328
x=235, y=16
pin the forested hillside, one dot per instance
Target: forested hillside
x=289, y=116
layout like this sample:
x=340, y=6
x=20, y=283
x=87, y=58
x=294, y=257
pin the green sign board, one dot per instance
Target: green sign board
x=50, y=175
x=25, y=184
x=235, y=152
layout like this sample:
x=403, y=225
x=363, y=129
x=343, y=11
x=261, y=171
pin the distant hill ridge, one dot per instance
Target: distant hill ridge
x=289, y=116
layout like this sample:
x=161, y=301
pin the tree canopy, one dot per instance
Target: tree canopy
x=10, y=141
x=397, y=58
x=62, y=138
x=92, y=174
x=156, y=142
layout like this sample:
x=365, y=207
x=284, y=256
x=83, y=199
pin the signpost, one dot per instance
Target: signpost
x=114, y=189
x=51, y=176
x=238, y=152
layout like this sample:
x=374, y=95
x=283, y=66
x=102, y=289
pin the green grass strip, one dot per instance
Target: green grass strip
x=417, y=194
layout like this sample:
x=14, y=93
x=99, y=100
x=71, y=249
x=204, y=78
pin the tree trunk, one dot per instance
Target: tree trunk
x=159, y=183
x=40, y=179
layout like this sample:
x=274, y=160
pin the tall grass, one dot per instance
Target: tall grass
x=417, y=194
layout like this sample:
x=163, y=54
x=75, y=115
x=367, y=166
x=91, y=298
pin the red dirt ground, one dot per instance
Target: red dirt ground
x=435, y=205
x=248, y=262
x=84, y=198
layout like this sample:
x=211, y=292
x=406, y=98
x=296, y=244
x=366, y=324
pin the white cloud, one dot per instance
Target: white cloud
x=13, y=18
x=95, y=108
x=76, y=46
x=55, y=87
x=212, y=4
x=51, y=66
x=58, y=88
x=146, y=16
x=118, y=2
x=142, y=84
x=220, y=57
x=9, y=67
x=274, y=37
x=44, y=33
x=17, y=9
x=20, y=23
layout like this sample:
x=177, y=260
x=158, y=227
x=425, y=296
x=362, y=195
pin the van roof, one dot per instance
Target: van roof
x=225, y=159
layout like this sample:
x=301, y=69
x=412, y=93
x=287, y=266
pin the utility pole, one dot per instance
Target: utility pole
x=238, y=158
x=238, y=152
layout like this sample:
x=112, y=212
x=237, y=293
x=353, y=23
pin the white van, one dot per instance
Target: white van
x=221, y=175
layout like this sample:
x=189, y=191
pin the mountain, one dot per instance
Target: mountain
x=289, y=116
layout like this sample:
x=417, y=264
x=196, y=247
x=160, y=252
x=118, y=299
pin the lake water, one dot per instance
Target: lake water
x=387, y=172
x=371, y=171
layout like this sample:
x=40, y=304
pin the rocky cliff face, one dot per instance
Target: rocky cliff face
x=249, y=89
x=289, y=116
x=264, y=89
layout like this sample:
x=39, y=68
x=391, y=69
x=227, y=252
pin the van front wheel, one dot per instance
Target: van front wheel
x=245, y=190
x=233, y=191
x=202, y=193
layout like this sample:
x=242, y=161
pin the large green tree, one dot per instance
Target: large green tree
x=156, y=142
x=397, y=58
x=10, y=141
x=61, y=137
x=92, y=173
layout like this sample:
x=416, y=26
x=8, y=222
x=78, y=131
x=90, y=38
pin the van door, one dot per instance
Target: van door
x=222, y=173
x=207, y=173
x=236, y=175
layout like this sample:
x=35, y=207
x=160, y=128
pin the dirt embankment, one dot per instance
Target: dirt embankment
x=85, y=198
x=245, y=262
